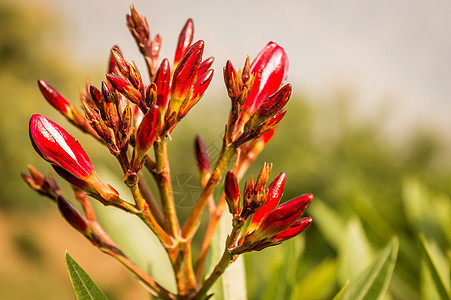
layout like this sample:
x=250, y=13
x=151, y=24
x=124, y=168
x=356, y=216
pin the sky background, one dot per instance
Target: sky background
x=394, y=54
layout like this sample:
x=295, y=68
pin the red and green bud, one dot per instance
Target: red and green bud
x=272, y=105
x=162, y=81
x=282, y=217
x=202, y=157
x=135, y=78
x=139, y=28
x=58, y=147
x=118, y=61
x=184, y=42
x=262, y=178
x=204, y=66
x=270, y=69
x=151, y=95
x=125, y=87
x=155, y=49
x=96, y=95
x=57, y=100
x=230, y=80
x=268, y=125
x=198, y=90
x=186, y=71
x=232, y=193
x=299, y=226
x=147, y=132
x=73, y=216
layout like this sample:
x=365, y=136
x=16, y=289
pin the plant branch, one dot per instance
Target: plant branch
x=157, y=290
x=150, y=200
x=163, y=179
x=193, y=221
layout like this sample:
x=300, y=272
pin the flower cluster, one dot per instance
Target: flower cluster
x=134, y=118
x=270, y=223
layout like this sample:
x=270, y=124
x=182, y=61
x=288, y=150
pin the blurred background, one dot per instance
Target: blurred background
x=367, y=132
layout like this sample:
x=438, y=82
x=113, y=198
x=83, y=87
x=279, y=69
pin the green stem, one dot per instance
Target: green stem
x=180, y=257
x=219, y=269
x=227, y=258
x=163, y=179
x=193, y=221
x=150, y=199
x=149, y=219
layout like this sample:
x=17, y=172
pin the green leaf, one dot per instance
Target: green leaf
x=374, y=280
x=427, y=211
x=83, y=285
x=341, y=294
x=283, y=275
x=330, y=223
x=354, y=253
x=232, y=284
x=318, y=283
x=435, y=273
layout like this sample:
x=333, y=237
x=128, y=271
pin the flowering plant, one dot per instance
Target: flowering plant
x=131, y=117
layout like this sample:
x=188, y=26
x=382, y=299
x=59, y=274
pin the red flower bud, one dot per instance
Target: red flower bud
x=198, y=90
x=58, y=147
x=283, y=217
x=162, y=80
x=202, y=157
x=204, y=66
x=56, y=99
x=262, y=178
x=273, y=104
x=270, y=69
x=185, y=40
x=116, y=59
x=96, y=95
x=299, y=226
x=201, y=85
x=68, y=158
x=156, y=45
x=186, y=70
x=125, y=87
x=232, y=193
x=139, y=28
x=72, y=215
x=147, y=131
x=270, y=124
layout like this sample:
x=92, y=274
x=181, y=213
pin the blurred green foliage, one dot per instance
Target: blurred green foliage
x=28, y=50
x=370, y=185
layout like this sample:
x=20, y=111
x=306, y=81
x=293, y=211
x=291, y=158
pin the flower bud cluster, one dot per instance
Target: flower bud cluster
x=257, y=102
x=150, y=49
x=270, y=223
x=129, y=116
